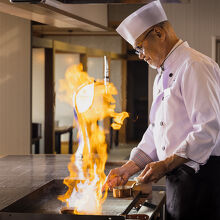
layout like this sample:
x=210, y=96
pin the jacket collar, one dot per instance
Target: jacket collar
x=172, y=55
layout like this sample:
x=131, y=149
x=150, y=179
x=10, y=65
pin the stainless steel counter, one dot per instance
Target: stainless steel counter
x=21, y=175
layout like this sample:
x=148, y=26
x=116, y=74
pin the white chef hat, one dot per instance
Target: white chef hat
x=142, y=19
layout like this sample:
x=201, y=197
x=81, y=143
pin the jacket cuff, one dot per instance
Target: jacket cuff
x=140, y=158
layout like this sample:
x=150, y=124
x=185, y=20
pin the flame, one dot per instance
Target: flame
x=92, y=101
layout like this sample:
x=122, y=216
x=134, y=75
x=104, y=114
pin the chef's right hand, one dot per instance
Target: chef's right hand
x=119, y=176
x=116, y=177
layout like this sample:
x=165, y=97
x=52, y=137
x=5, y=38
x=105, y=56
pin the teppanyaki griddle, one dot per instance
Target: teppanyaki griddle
x=42, y=204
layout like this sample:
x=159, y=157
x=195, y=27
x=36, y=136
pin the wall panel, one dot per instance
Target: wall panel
x=38, y=90
x=15, y=113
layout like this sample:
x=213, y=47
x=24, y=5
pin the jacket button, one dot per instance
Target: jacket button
x=153, y=124
x=162, y=98
x=171, y=74
x=163, y=148
x=161, y=123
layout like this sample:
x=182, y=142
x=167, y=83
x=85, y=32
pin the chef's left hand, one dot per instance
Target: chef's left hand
x=153, y=172
x=156, y=170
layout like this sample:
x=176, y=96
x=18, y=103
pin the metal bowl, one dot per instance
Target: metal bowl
x=122, y=191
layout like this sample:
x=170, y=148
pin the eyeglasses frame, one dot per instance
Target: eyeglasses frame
x=139, y=50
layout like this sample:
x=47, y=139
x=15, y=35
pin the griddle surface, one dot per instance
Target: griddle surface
x=44, y=201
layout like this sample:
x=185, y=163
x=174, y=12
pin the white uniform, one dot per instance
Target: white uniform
x=185, y=113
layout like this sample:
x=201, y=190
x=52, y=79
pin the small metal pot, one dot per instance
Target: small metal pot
x=67, y=210
x=122, y=191
x=132, y=189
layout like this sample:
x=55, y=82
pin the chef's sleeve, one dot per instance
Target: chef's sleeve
x=145, y=152
x=201, y=95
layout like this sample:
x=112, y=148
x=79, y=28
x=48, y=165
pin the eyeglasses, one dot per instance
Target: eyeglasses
x=139, y=50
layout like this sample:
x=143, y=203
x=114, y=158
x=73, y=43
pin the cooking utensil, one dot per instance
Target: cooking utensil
x=132, y=188
x=122, y=191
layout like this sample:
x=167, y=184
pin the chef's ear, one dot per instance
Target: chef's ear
x=159, y=32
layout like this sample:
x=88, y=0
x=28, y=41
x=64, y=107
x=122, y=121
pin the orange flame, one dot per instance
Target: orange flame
x=92, y=101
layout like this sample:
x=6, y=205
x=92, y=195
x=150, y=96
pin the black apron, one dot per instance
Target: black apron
x=191, y=195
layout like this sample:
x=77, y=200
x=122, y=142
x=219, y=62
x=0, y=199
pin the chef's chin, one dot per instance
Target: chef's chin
x=152, y=66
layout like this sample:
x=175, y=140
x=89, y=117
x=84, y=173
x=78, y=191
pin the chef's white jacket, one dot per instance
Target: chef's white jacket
x=185, y=113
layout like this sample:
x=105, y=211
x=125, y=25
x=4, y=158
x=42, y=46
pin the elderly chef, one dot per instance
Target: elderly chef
x=182, y=141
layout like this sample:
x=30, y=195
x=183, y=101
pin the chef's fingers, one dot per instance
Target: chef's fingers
x=104, y=187
x=109, y=184
x=108, y=180
x=113, y=182
x=148, y=177
x=144, y=171
x=140, y=178
x=117, y=181
x=124, y=179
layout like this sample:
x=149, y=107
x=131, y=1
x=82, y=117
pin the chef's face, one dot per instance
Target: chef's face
x=150, y=46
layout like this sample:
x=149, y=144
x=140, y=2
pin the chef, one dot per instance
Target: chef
x=182, y=141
